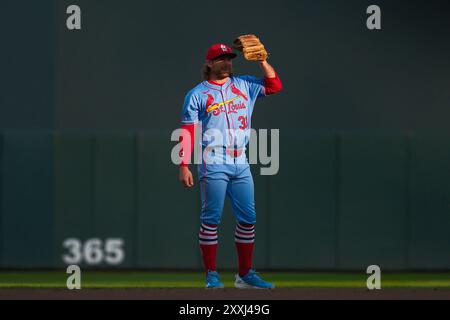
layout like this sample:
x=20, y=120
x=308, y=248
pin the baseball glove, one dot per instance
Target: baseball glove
x=251, y=47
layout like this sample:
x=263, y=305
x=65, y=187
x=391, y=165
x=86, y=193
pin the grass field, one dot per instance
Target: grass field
x=92, y=279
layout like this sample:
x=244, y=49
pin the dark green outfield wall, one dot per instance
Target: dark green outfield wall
x=132, y=62
x=347, y=201
x=86, y=117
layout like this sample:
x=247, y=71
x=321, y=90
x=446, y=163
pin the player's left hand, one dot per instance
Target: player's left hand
x=251, y=47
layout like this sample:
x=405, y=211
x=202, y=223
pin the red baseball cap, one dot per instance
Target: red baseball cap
x=219, y=49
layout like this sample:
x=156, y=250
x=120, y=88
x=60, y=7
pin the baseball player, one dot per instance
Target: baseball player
x=224, y=102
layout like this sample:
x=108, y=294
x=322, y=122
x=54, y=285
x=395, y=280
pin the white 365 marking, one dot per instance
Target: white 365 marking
x=93, y=252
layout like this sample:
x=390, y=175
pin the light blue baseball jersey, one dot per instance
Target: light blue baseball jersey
x=225, y=108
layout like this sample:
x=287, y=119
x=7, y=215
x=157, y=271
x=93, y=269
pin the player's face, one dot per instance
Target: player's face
x=221, y=67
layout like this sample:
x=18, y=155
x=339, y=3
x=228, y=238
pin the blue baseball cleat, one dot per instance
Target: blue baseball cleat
x=213, y=280
x=252, y=281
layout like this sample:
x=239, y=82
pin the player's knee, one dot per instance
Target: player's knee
x=247, y=220
x=210, y=220
x=246, y=217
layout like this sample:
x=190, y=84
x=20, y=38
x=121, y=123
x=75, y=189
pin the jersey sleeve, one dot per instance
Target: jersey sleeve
x=255, y=86
x=186, y=139
x=191, y=107
x=272, y=85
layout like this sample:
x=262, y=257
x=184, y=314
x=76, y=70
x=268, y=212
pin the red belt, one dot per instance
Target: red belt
x=233, y=152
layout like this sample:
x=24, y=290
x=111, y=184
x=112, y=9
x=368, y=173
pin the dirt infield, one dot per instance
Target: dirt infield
x=224, y=294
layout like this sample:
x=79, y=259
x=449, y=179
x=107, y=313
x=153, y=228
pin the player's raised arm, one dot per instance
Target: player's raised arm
x=254, y=50
x=272, y=83
x=268, y=70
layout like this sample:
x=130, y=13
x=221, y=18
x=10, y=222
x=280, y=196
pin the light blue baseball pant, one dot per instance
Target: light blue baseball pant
x=217, y=181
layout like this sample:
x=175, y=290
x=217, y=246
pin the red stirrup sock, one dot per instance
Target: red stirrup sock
x=208, y=240
x=244, y=237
